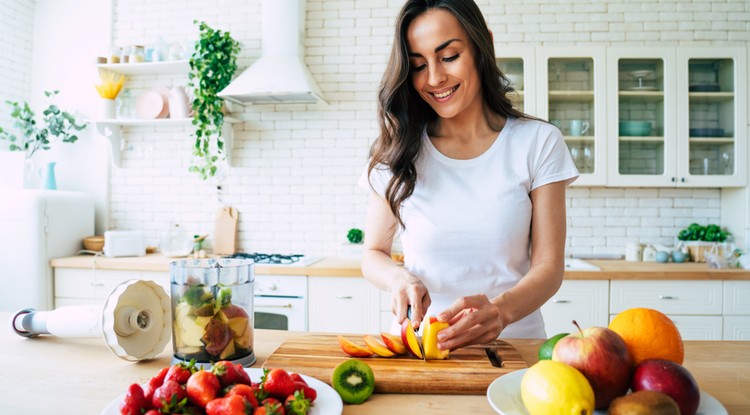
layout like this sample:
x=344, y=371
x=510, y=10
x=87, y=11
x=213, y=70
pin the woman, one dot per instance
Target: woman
x=476, y=187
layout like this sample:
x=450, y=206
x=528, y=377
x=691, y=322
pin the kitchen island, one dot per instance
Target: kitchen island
x=81, y=376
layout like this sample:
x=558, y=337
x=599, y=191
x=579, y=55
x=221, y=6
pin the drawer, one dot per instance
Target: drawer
x=89, y=284
x=737, y=298
x=583, y=301
x=696, y=327
x=669, y=297
x=736, y=328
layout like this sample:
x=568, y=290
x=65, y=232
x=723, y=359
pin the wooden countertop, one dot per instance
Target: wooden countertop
x=81, y=376
x=335, y=267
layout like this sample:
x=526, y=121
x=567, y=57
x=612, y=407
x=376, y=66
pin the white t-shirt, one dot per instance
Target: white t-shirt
x=467, y=224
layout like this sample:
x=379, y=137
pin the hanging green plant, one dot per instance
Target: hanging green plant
x=212, y=66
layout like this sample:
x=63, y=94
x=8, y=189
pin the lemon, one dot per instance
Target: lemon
x=555, y=388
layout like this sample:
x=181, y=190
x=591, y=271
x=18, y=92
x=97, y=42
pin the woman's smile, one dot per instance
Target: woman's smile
x=444, y=94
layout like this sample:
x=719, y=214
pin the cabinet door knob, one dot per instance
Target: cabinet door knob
x=674, y=179
x=560, y=301
x=343, y=297
x=682, y=179
x=667, y=297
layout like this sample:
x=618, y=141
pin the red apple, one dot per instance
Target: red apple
x=602, y=356
x=670, y=378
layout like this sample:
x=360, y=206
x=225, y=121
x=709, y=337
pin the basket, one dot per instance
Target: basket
x=699, y=250
x=93, y=243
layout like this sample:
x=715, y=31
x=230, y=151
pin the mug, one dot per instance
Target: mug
x=633, y=251
x=578, y=127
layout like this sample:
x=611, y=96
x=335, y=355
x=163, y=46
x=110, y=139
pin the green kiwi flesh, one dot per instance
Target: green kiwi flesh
x=353, y=380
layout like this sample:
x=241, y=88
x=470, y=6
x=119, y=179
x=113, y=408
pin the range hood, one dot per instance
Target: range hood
x=280, y=76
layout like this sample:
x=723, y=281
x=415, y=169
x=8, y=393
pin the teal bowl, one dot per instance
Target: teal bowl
x=635, y=128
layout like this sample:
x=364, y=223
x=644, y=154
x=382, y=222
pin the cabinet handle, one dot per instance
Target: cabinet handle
x=273, y=306
x=97, y=284
x=343, y=297
x=560, y=301
x=667, y=297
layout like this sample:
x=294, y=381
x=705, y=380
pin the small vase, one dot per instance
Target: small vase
x=48, y=178
x=108, y=109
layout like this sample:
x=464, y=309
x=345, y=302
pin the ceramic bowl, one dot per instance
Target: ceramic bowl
x=635, y=128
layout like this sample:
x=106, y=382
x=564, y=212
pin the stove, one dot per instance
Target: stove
x=282, y=260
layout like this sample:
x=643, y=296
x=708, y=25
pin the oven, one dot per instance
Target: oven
x=280, y=301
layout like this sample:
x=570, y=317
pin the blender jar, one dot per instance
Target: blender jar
x=212, y=310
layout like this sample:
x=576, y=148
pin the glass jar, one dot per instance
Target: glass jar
x=212, y=310
x=137, y=54
x=125, y=105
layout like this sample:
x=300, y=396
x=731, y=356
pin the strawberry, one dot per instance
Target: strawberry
x=297, y=404
x=152, y=412
x=135, y=401
x=270, y=407
x=202, y=387
x=180, y=372
x=226, y=372
x=308, y=392
x=297, y=378
x=232, y=405
x=242, y=376
x=170, y=397
x=154, y=383
x=278, y=383
x=247, y=392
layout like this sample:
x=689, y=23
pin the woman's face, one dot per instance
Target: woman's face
x=441, y=57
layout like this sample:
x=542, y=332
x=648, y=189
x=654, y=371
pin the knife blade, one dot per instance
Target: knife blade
x=416, y=331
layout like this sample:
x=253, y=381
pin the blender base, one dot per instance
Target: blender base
x=245, y=361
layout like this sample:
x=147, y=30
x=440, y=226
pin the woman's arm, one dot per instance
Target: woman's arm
x=477, y=319
x=379, y=268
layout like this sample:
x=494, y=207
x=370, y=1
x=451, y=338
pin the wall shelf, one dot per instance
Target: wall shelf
x=148, y=68
x=112, y=130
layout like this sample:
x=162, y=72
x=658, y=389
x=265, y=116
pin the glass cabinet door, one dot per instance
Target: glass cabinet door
x=713, y=117
x=641, y=115
x=640, y=125
x=517, y=64
x=574, y=101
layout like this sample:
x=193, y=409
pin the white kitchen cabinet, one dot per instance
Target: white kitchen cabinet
x=343, y=305
x=676, y=117
x=76, y=286
x=585, y=301
x=572, y=95
x=386, y=314
x=736, y=310
x=112, y=129
x=694, y=306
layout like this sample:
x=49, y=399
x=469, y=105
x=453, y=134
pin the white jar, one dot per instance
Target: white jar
x=633, y=251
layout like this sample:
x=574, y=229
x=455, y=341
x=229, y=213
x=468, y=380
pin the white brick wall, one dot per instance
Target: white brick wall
x=296, y=167
x=16, y=32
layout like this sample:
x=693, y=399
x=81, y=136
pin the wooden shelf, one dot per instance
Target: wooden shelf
x=648, y=96
x=148, y=68
x=711, y=96
x=711, y=140
x=643, y=139
x=579, y=139
x=572, y=96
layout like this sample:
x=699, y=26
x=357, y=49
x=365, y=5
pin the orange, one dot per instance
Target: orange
x=649, y=334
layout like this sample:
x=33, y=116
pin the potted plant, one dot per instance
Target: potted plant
x=212, y=66
x=699, y=239
x=33, y=136
x=29, y=135
x=352, y=249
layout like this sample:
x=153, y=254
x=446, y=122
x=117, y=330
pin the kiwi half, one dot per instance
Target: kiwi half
x=353, y=380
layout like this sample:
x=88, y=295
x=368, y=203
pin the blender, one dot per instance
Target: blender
x=212, y=310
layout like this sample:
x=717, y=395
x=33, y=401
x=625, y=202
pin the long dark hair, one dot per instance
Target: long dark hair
x=403, y=114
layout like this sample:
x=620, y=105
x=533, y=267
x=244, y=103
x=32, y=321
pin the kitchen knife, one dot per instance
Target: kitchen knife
x=416, y=333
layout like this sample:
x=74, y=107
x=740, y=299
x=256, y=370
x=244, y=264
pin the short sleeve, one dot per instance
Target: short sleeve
x=554, y=162
x=377, y=181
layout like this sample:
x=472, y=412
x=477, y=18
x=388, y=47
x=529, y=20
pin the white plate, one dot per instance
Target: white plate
x=328, y=401
x=504, y=394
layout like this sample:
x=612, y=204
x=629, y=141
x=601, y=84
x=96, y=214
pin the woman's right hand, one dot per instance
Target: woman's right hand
x=407, y=290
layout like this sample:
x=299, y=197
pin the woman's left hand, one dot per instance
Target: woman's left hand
x=473, y=320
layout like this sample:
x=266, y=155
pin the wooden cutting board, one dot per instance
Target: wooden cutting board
x=225, y=230
x=467, y=371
